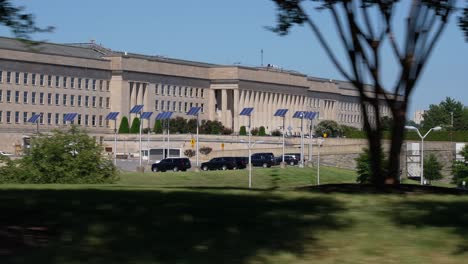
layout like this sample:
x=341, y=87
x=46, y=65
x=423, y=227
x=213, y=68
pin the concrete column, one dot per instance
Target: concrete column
x=261, y=106
x=211, y=104
x=224, y=113
x=236, y=110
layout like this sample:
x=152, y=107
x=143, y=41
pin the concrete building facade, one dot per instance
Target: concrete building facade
x=92, y=81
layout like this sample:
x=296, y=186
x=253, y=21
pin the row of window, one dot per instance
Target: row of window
x=34, y=79
x=350, y=118
x=52, y=118
x=27, y=97
x=176, y=106
x=172, y=90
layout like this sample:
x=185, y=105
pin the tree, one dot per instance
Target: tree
x=276, y=133
x=261, y=131
x=330, y=127
x=243, y=131
x=432, y=168
x=460, y=168
x=124, y=127
x=21, y=24
x=64, y=157
x=135, y=128
x=363, y=166
x=387, y=123
x=189, y=153
x=254, y=131
x=440, y=115
x=364, y=28
x=158, y=129
x=205, y=150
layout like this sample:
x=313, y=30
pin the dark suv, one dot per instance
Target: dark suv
x=263, y=159
x=288, y=159
x=221, y=163
x=174, y=164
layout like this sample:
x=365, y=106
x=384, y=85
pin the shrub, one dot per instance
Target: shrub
x=189, y=153
x=135, y=129
x=254, y=131
x=124, y=127
x=330, y=127
x=227, y=131
x=460, y=168
x=243, y=131
x=205, y=150
x=432, y=168
x=261, y=131
x=158, y=128
x=363, y=167
x=276, y=133
x=64, y=157
x=145, y=130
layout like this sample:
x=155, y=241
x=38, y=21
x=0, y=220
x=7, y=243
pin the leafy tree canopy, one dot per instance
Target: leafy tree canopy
x=440, y=115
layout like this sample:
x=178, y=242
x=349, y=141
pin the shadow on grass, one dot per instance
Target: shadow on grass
x=423, y=214
x=97, y=226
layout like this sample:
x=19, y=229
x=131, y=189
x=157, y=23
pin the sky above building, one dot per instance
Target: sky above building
x=234, y=33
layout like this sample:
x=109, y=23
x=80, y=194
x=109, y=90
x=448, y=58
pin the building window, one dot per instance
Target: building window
x=162, y=89
x=168, y=106
x=65, y=79
x=101, y=85
x=156, y=105
x=33, y=79
x=191, y=92
x=100, y=120
x=8, y=96
x=64, y=99
x=202, y=93
x=41, y=98
x=101, y=102
x=174, y=106
x=57, y=118
x=93, y=120
x=94, y=101
x=57, y=99
x=1, y=95
x=25, y=97
x=1, y=76
x=162, y=105
x=1, y=116
x=49, y=118
x=72, y=100
x=8, y=117
x=49, y=80
x=79, y=100
x=185, y=91
x=180, y=91
x=79, y=83
x=86, y=120
x=107, y=86
x=86, y=101
x=25, y=78
x=17, y=77
x=196, y=92
x=25, y=117
x=78, y=120
x=17, y=117
x=87, y=84
x=171, y=90
x=41, y=80
x=185, y=107
x=202, y=108
x=107, y=102
x=8, y=80
x=94, y=85
x=180, y=106
x=49, y=98
x=57, y=81
x=63, y=119
x=157, y=88
x=72, y=82
x=17, y=97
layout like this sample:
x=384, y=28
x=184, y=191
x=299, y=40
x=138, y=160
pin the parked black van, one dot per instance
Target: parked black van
x=265, y=160
x=174, y=164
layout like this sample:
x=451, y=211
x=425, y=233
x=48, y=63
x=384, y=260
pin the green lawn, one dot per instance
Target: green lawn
x=158, y=218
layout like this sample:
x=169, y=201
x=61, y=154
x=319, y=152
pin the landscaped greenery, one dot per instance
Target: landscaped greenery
x=211, y=217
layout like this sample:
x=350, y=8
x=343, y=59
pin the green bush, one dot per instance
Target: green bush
x=135, y=129
x=363, y=166
x=124, y=127
x=261, y=131
x=276, y=133
x=432, y=168
x=243, y=131
x=158, y=129
x=460, y=168
x=63, y=157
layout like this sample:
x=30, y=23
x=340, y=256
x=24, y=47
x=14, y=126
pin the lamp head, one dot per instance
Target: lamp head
x=437, y=128
x=411, y=128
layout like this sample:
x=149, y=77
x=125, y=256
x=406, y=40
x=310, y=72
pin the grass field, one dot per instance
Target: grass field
x=212, y=218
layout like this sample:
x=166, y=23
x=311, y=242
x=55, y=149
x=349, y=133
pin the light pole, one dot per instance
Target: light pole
x=247, y=111
x=422, y=145
x=195, y=111
x=302, y=141
x=282, y=113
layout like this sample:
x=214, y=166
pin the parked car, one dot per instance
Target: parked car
x=220, y=163
x=4, y=153
x=288, y=159
x=174, y=164
x=263, y=159
x=242, y=162
x=296, y=155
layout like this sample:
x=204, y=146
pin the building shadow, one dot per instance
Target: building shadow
x=188, y=226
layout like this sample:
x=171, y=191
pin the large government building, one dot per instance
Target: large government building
x=92, y=81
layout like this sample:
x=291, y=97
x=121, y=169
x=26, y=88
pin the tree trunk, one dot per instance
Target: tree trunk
x=375, y=150
x=397, y=136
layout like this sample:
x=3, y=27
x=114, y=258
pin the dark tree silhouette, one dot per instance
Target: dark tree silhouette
x=364, y=28
x=21, y=24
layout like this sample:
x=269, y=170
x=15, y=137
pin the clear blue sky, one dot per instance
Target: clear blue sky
x=229, y=32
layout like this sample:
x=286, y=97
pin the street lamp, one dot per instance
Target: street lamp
x=422, y=145
x=247, y=111
x=250, y=146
